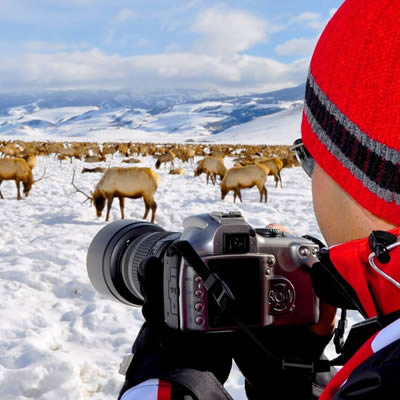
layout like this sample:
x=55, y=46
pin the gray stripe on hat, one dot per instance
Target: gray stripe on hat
x=372, y=186
x=378, y=148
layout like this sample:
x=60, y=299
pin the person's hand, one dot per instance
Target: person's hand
x=278, y=226
x=159, y=349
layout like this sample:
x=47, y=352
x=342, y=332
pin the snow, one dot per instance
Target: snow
x=280, y=128
x=59, y=339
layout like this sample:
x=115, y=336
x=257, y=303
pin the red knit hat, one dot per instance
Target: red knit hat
x=351, y=118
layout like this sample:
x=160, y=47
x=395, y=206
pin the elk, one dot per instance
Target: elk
x=212, y=167
x=132, y=182
x=131, y=161
x=165, y=158
x=18, y=170
x=177, y=171
x=93, y=159
x=237, y=178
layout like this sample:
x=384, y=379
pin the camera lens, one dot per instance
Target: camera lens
x=115, y=253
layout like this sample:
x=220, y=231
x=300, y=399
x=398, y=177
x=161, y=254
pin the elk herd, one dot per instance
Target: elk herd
x=250, y=167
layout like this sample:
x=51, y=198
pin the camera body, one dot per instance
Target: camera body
x=267, y=271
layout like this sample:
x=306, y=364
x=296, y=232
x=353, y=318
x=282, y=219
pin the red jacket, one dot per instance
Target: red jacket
x=376, y=296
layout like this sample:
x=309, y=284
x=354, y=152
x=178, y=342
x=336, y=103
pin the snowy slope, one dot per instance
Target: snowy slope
x=279, y=128
x=59, y=339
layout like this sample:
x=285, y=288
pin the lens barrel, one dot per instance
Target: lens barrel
x=115, y=253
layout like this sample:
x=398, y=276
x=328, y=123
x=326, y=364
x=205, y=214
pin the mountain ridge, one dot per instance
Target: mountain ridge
x=194, y=114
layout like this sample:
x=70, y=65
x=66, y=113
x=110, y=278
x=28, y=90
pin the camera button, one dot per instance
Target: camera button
x=200, y=320
x=198, y=293
x=199, y=307
x=304, y=251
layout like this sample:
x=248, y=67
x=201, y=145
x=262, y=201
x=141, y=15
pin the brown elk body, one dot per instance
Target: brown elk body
x=237, y=178
x=132, y=182
x=132, y=161
x=164, y=159
x=177, y=171
x=16, y=169
x=93, y=159
x=212, y=167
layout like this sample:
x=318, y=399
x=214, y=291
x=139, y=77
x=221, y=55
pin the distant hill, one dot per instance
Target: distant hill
x=160, y=116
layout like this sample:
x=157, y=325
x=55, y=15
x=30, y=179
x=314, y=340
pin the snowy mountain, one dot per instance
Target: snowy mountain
x=159, y=117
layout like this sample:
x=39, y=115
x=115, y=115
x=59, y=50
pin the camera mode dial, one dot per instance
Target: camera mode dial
x=270, y=232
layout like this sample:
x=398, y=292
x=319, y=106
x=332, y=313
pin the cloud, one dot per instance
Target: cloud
x=40, y=46
x=332, y=12
x=95, y=69
x=297, y=47
x=227, y=31
x=309, y=19
x=123, y=16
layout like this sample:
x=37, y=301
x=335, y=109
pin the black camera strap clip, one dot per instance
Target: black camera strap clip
x=220, y=291
x=382, y=243
x=314, y=367
x=338, y=338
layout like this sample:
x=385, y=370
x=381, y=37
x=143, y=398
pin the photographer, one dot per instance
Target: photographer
x=351, y=150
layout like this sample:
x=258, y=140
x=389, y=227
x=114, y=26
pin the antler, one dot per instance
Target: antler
x=37, y=180
x=80, y=191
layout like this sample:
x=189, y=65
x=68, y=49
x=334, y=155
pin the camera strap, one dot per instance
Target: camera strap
x=226, y=303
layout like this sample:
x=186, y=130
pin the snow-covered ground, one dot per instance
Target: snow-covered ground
x=59, y=339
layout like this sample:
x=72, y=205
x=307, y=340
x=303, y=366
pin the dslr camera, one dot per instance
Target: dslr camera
x=266, y=270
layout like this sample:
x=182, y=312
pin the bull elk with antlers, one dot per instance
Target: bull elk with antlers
x=18, y=170
x=133, y=182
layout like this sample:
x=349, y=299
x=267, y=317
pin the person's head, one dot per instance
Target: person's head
x=351, y=120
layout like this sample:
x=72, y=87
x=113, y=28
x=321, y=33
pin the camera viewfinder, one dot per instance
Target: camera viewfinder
x=236, y=243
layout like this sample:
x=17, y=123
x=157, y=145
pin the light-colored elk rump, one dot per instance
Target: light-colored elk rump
x=237, y=178
x=212, y=167
x=31, y=160
x=275, y=165
x=132, y=182
x=18, y=170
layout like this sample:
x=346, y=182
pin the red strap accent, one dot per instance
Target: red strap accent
x=338, y=380
x=164, y=390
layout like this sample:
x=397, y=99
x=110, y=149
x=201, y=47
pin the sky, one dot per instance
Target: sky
x=232, y=46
